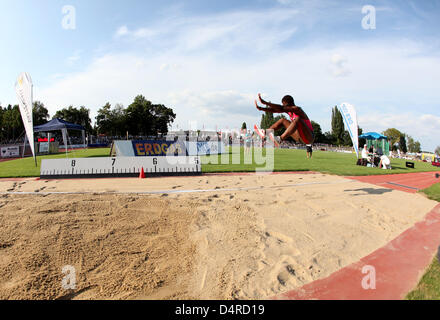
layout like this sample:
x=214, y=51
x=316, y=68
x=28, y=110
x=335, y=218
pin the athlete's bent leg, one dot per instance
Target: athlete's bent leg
x=279, y=124
x=299, y=128
x=291, y=129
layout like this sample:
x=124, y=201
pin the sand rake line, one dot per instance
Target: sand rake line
x=169, y=191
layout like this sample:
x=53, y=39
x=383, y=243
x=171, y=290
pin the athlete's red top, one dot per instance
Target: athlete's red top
x=292, y=116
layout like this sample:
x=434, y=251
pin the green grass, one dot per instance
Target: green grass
x=433, y=192
x=429, y=286
x=26, y=167
x=285, y=160
x=322, y=161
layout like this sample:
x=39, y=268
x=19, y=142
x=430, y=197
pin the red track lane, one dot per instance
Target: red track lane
x=398, y=267
x=408, y=182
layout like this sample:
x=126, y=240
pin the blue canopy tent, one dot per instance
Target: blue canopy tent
x=378, y=141
x=58, y=124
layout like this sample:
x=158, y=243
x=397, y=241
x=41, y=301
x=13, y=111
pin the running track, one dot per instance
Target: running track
x=398, y=265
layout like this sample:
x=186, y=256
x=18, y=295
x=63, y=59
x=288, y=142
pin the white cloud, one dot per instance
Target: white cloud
x=339, y=66
x=75, y=57
x=430, y=121
x=240, y=30
x=122, y=31
x=170, y=66
x=141, y=33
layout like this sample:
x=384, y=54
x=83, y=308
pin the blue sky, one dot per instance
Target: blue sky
x=209, y=59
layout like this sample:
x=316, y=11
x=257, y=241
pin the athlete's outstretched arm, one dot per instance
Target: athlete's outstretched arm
x=276, y=107
x=266, y=109
x=297, y=110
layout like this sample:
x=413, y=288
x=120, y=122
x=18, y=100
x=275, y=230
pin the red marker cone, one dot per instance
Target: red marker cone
x=142, y=174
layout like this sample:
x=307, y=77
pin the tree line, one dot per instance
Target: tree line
x=11, y=124
x=140, y=118
x=341, y=137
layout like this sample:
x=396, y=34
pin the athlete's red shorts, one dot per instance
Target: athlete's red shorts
x=301, y=127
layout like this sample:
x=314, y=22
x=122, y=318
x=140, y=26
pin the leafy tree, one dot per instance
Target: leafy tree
x=40, y=114
x=319, y=137
x=437, y=150
x=337, y=126
x=346, y=139
x=2, y=129
x=393, y=136
x=402, y=144
x=111, y=121
x=329, y=138
x=162, y=118
x=362, y=141
x=243, y=126
x=119, y=119
x=413, y=146
x=145, y=118
x=12, y=124
x=267, y=120
x=104, y=120
x=417, y=147
x=140, y=118
x=77, y=116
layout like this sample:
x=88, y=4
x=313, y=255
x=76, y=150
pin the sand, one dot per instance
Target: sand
x=231, y=237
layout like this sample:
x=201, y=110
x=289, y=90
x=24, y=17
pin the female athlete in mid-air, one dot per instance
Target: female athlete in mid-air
x=299, y=128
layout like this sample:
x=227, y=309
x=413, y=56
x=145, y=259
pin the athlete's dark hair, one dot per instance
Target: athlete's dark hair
x=289, y=100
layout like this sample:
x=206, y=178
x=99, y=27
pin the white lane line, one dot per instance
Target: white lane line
x=173, y=191
x=401, y=185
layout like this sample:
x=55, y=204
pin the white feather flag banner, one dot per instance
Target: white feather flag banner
x=23, y=89
x=350, y=120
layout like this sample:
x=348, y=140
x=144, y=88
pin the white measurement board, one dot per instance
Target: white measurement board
x=119, y=167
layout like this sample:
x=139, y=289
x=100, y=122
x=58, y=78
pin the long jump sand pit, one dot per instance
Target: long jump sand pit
x=208, y=237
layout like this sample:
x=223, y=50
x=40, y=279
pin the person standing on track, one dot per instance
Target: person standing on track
x=309, y=151
x=248, y=142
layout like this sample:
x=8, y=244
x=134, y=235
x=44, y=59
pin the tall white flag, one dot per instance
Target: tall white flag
x=23, y=89
x=350, y=120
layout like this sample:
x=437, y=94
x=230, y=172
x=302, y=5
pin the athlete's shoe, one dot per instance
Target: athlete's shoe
x=262, y=134
x=273, y=139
